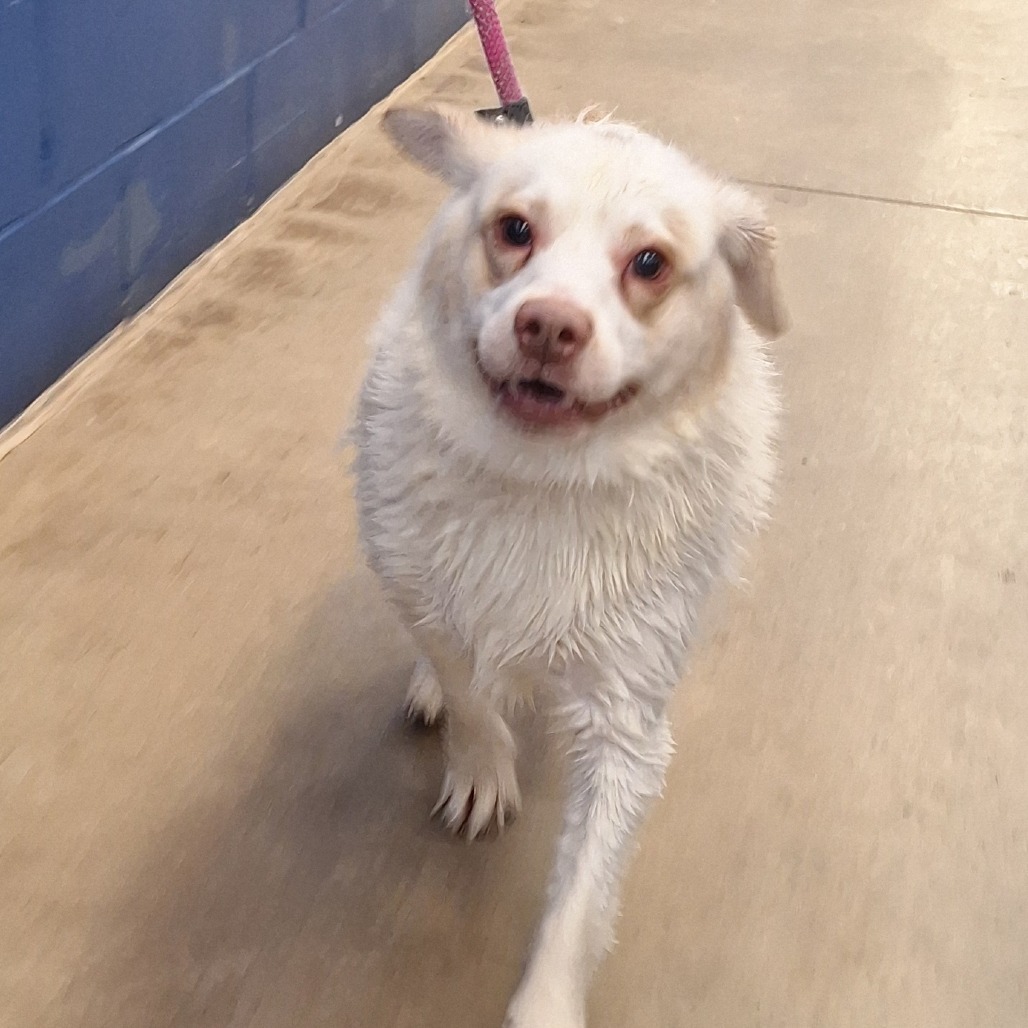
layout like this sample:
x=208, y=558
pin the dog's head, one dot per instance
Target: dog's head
x=583, y=276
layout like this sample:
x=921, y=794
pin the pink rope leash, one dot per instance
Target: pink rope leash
x=501, y=67
x=514, y=104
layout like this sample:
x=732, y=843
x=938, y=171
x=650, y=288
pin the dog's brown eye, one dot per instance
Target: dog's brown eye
x=516, y=231
x=648, y=264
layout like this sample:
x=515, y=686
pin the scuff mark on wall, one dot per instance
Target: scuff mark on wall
x=77, y=256
x=142, y=224
x=135, y=218
x=229, y=47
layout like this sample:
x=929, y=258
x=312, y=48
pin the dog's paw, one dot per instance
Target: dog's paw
x=424, y=704
x=543, y=1005
x=480, y=789
x=545, y=1020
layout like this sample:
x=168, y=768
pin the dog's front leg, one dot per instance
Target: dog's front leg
x=619, y=751
x=480, y=785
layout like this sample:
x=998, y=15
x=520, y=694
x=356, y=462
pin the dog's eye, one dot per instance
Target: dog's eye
x=648, y=264
x=515, y=231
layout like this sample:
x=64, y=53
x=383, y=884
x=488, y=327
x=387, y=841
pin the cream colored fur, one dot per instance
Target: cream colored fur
x=571, y=564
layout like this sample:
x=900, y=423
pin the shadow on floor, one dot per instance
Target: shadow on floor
x=323, y=889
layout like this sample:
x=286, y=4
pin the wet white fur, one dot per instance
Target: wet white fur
x=572, y=566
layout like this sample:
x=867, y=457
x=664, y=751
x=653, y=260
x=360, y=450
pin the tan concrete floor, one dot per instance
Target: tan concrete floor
x=209, y=814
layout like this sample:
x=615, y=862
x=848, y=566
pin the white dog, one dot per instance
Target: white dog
x=565, y=434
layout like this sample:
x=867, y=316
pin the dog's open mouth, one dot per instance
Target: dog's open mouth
x=536, y=403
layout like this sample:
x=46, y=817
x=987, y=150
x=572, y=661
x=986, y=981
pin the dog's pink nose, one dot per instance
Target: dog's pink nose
x=551, y=331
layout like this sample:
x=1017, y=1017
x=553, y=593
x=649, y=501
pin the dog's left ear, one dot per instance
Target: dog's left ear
x=747, y=243
x=455, y=145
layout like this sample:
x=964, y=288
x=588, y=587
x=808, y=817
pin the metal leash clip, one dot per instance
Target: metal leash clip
x=517, y=113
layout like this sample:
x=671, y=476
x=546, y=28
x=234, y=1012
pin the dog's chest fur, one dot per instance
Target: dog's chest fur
x=523, y=572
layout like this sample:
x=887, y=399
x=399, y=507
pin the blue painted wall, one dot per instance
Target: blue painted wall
x=136, y=133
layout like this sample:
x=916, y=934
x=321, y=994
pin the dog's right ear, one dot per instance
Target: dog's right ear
x=452, y=144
